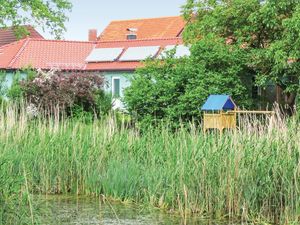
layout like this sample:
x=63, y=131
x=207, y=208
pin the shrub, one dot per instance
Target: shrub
x=103, y=102
x=15, y=92
x=174, y=89
x=2, y=84
x=75, y=94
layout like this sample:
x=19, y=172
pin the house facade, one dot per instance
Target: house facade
x=125, y=57
x=114, y=54
x=116, y=61
x=43, y=54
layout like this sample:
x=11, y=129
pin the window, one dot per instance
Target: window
x=131, y=36
x=116, y=87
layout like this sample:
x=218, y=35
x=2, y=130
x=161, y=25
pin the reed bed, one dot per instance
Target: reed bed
x=251, y=174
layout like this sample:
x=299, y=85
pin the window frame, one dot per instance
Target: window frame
x=113, y=87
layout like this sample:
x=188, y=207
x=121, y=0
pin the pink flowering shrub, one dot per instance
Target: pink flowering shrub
x=67, y=93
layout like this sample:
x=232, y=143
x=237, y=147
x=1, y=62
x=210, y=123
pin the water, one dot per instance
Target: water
x=77, y=210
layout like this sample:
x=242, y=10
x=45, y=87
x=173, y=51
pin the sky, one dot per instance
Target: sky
x=96, y=14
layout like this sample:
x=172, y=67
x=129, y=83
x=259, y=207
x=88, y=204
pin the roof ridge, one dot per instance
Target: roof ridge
x=68, y=41
x=26, y=40
x=150, y=18
x=12, y=43
x=143, y=39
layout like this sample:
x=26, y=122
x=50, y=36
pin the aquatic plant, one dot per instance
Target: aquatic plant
x=251, y=174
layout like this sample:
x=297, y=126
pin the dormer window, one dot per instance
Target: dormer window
x=132, y=35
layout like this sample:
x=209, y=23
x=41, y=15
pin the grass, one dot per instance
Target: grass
x=248, y=175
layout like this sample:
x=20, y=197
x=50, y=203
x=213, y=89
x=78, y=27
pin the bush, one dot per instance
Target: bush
x=174, y=89
x=76, y=94
x=15, y=92
x=103, y=102
x=2, y=84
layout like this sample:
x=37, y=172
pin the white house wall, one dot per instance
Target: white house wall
x=124, y=83
x=108, y=77
x=9, y=77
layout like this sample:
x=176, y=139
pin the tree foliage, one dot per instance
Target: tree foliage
x=44, y=13
x=269, y=30
x=174, y=89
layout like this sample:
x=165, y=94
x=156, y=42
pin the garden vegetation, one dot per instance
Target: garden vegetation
x=236, y=47
x=59, y=136
x=268, y=31
x=249, y=175
x=174, y=89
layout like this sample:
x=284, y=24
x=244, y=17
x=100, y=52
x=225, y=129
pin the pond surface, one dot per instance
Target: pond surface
x=77, y=210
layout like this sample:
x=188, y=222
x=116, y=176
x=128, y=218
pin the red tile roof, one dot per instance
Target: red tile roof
x=70, y=55
x=118, y=65
x=8, y=36
x=8, y=53
x=45, y=54
x=164, y=27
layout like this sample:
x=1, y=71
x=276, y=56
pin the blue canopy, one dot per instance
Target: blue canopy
x=218, y=102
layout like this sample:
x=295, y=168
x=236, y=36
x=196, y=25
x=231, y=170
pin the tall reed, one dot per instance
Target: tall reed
x=251, y=174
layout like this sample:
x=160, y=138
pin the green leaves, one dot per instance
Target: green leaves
x=45, y=13
x=174, y=89
x=269, y=31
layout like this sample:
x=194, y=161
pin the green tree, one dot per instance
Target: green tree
x=174, y=89
x=270, y=30
x=45, y=13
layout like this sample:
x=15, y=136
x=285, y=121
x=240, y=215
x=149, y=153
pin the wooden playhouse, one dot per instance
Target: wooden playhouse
x=219, y=113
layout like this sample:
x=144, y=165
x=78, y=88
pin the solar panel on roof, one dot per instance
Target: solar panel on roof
x=181, y=51
x=139, y=53
x=104, y=54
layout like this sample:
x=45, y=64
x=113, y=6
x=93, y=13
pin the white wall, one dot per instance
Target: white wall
x=124, y=83
x=108, y=77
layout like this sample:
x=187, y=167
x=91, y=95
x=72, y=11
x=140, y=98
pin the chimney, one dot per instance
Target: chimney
x=93, y=35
